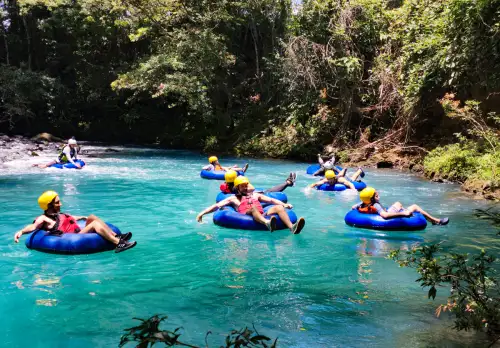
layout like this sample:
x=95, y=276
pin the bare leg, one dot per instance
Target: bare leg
x=94, y=224
x=278, y=209
x=320, y=171
x=238, y=169
x=356, y=175
x=342, y=173
x=279, y=188
x=257, y=216
x=45, y=165
x=415, y=208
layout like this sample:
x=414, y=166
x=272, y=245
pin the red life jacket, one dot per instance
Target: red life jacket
x=367, y=209
x=64, y=223
x=247, y=202
x=224, y=188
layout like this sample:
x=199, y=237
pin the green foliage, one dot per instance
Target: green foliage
x=26, y=95
x=475, y=291
x=474, y=160
x=255, y=76
x=492, y=214
x=475, y=287
x=148, y=333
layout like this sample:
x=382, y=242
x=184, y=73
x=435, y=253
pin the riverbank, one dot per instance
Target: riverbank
x=403, y=158
x=411, y=158
x=44, y=145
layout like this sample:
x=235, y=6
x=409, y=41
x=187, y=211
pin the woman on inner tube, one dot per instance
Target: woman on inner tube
x=332, y=179
x=370, y=204
x=249, y=204
x=231, y=175
x=57, y=223
x=215, y=165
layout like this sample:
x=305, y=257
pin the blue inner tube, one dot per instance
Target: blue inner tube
x=230, y=218
x=70, y=243
x=359, y=185
x=376, y=222
x=68, y=165
x=215, y=174
x=276, y=195
x=313, y=168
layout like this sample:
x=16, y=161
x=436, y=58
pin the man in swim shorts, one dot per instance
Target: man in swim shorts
x=68, y=154
x=249, y=204
x=215, y=165
x=231, y=175
x=58, y=223
x=332, y=179
x=370, y=204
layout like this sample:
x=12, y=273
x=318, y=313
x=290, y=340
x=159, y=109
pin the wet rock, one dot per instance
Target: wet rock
x=111, y=150
x=33, y=154
x=5, y=138
x=46, y=137
x=385, y=164
x=487, y=185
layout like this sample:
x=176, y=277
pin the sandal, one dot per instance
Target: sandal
x=442, y=222
x=271, y=224
x=298, y=226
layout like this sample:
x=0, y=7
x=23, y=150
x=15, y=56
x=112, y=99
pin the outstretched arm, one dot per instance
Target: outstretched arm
x=319, y=183
x=31, y=227
x=213, y=208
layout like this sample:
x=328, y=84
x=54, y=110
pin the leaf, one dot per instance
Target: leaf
x=432, y=292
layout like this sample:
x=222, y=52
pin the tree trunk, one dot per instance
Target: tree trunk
x=28, y=39
x=6, y=44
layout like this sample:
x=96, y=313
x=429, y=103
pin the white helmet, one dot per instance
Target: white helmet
x=71, y=141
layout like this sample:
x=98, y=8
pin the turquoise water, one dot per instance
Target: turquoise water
x=322, y=288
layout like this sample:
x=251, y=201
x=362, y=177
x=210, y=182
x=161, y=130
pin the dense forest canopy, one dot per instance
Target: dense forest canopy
x=275, y=78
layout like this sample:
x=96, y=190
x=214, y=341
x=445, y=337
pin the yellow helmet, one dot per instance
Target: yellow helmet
x=230, y=176
x=367, y=194
x=329, y=174
x=240, y=180
x=212, y=159
x=46, y=198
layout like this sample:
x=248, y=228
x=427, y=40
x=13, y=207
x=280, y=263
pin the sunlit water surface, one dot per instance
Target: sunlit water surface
x=322, y=288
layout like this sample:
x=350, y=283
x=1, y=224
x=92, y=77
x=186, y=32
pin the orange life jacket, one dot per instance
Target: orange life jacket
x=367, y=209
